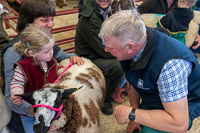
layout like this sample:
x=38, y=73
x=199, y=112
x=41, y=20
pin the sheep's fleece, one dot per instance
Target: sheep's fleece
x=81, y=109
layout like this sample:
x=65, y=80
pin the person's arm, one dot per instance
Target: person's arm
x=60, y=55
x=175, y=106
x=10, y=57
x=197, y=41
x=170, y=119
x=134, y=99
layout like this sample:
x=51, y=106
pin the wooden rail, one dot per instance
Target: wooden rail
x=13, y=18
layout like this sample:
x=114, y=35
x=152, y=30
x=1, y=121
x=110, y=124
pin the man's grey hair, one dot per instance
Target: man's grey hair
x=126, y=26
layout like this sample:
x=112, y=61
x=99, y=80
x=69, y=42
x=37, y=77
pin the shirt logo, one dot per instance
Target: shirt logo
x=140, y=84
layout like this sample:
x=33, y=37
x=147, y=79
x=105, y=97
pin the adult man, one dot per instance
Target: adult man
x=164, y=73
x=89, y=45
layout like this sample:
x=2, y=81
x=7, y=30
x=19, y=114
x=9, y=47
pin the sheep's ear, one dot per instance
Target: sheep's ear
x=67, y=92
x=26, y=96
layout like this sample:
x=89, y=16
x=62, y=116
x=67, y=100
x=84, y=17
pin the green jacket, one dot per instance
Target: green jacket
x=3, y=40
x=87, y=42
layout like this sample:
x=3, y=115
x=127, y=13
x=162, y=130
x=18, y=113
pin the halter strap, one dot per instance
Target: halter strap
x=47, y=106
x=63, y=72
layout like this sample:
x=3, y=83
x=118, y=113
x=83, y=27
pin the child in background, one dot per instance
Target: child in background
x=176, y=22
x=37, y=68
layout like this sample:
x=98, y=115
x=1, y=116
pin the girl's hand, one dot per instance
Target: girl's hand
x=16, y=99
x=77, y=60
x=31, y=111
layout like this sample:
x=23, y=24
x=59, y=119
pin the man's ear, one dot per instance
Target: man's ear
x=31, y=53
x=130, y=47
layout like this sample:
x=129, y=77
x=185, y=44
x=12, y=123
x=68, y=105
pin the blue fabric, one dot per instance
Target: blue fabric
x=81, y=2
x=28, y=124
x=15, y=123
x=122, y=81
x=173, y=80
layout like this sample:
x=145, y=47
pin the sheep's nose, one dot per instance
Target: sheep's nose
x=41, y=128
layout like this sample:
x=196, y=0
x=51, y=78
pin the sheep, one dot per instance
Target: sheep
x=81, y=109
x=150, y=19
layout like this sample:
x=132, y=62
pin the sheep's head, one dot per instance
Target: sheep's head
x=47, y=106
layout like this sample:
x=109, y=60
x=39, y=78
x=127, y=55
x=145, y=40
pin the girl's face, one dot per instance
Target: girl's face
x=46, y=52
x=45, y=22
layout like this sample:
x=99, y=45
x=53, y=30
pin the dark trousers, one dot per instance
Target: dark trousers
x=15, y=123
x=112, y=72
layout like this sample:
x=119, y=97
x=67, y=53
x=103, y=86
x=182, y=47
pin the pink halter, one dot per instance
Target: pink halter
x=47, y=106
x=63, y=71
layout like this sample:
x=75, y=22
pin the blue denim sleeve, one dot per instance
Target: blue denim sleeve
x=10, y=57
x=60, y=55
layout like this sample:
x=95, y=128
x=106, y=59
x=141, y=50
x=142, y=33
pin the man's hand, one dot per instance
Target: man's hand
x=77, y=60
x=197, y=41
x=121, y=113
x=132, y=126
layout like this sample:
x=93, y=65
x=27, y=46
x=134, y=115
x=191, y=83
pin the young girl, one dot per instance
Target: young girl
x=37, y=68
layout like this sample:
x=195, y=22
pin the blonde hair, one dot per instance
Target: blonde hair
x=126, y=26
x=32, y=38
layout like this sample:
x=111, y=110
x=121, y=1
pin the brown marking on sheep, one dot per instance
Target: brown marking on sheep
x=85, y=75
x=65, y=76
x=94, y=73
x=84, y=81
x=93, y=112
x=85, y=121
x=101, y=101
x=60, y=86
x=73, y=112
x=96, y=68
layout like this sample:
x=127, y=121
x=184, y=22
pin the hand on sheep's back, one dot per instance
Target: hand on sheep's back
x=77, y=60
